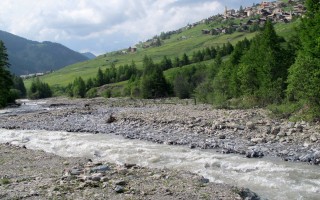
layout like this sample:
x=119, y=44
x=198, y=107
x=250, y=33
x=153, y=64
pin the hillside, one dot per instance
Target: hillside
x=185, y=40
x=89, y=55
x=28, y=57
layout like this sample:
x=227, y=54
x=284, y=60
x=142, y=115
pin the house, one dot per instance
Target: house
x=229, y=13
x=205, y=31
x=132, y=49
x=252, y=21
x=264, y=12
x=215, y=31
x=265, y=4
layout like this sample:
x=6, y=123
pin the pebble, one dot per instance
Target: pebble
x=102, y=168
x=313, y=138
x=120, y=182
x=250, y=125
x=119, y=189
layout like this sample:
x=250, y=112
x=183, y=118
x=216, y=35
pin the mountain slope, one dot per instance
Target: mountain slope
x=89, y=55
x=27, y=57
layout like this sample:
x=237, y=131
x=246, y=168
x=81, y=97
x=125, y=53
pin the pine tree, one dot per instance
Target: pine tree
x=304, y=74
x=166, y=63
x=19, y=85
x=5, y=76
x=100, y=78
x=79, y=88
x=153, y=83
x=262, y=69
x=185, y=60
x=89, y=84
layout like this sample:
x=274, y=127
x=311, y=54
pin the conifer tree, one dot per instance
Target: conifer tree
x=153, y=83
x=262, y=72
x=304, y=74
x=79, y=88
x=5, y=76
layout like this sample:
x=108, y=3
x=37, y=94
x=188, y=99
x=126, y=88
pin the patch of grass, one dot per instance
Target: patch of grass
x=285, y=111
x=205, y=196
x=4, y=181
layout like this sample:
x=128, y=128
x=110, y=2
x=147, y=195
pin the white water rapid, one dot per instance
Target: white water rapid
x=270, y=178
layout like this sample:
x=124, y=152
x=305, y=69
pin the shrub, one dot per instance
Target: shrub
x=92, y=93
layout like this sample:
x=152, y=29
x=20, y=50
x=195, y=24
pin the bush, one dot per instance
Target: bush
x=79, y=88
x=107, y=93
x=39, y=90
x=92, y=93
x=285, y=110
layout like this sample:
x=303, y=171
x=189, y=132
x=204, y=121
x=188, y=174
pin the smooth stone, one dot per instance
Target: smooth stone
x=119, y=189
x=204, y=180
x=313, y=138
x=120, y=182
x=101, y=168
x=250, y=125
x=75, y=172
x=275, y=130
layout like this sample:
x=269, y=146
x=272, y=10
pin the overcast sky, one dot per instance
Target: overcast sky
x=101, y=26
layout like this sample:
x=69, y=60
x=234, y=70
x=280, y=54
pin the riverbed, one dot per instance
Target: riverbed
x=160, y=135
x=270, y=178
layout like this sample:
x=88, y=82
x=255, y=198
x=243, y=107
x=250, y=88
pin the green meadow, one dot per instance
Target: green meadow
x=188, y=41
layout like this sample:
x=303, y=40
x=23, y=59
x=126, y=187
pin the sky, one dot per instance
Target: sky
x=100, y=26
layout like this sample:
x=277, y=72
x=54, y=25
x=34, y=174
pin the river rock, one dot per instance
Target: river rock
x=247, y=194
x=306, y=158
x=75, y=171
x=100, y=169
x=275, y=130
x=250, y=125
x=258, y=140
x=316, y=155
x=290, y=125
x=254, y=153
x=192, y=146
x=204, y=180
x=120, y=182
x=313, y=138
x=96, y=177
x=129, y=165
x=222, y=136
x=119, y=189
x=281, y=134
x=299, y=127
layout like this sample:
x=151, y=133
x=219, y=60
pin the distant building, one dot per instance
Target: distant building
x=132, y=49
x=229, y=13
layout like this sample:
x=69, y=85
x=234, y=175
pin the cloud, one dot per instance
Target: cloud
x=99, y=26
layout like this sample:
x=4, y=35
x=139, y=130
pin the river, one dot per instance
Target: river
x=270, y=178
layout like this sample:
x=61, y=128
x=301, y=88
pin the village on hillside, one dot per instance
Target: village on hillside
x=250, y=20
x=275, y=11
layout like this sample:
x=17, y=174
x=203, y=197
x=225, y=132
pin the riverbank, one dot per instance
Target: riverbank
x=169, y=121
x=31, y=174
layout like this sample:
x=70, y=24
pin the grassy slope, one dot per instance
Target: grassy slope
x=172, y=47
